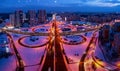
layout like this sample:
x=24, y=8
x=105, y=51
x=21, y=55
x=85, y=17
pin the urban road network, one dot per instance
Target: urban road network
x=54, y=57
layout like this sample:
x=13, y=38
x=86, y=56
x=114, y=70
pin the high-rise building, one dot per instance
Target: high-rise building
x=41, y=16
x=12, y=19
x=65, y=18
x=32, y=17
x=54, y=17
x=106, y=32
x=19, y=18
x=116, y=27
x=24, y=17
x=116, y=42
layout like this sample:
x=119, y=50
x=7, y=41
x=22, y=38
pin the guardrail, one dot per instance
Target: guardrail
x=76, y=32
x=46, y=34
x=25, y=33
x=44, y=56
x=43, y=59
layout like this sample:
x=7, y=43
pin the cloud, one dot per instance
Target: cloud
x=102, y=3
x=96, y=3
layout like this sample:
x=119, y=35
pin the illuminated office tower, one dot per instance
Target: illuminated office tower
x=41, y=16
x=12, y=19
x=32, y=17
x=54, y=17
x=117, y=42
x=19, y=18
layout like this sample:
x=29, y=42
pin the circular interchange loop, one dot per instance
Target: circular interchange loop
x=42, y=28
x=31, y=46
x=75, y=43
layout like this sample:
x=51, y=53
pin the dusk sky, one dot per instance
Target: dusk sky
x=62, y=5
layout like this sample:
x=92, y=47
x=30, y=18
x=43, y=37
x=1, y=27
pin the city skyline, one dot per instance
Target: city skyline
x=60, y=35
x=65, y=6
